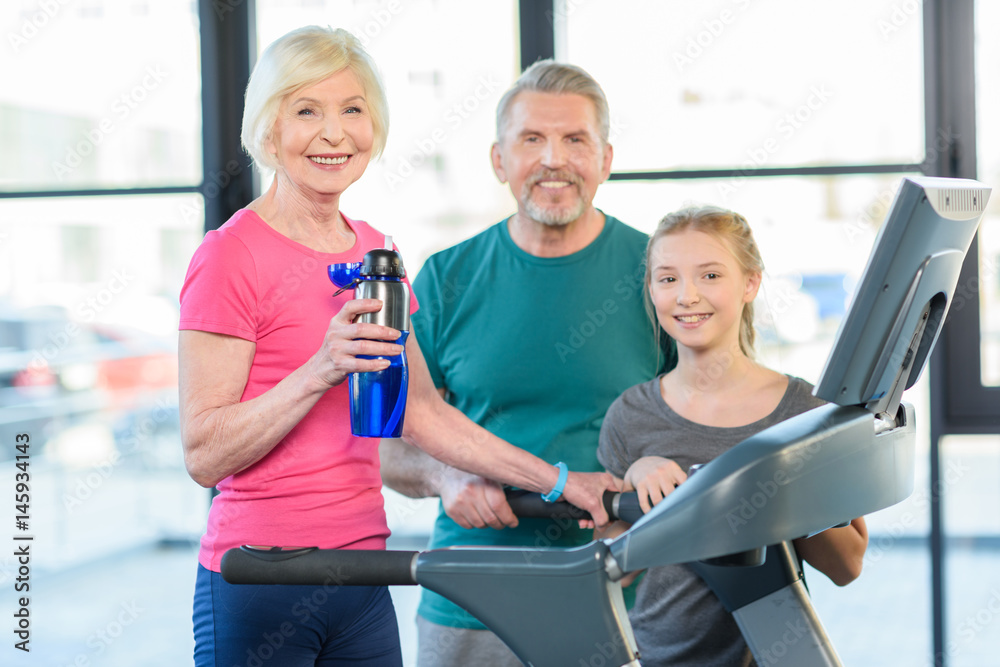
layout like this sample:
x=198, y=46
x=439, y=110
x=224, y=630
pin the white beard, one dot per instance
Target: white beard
x=553, y=217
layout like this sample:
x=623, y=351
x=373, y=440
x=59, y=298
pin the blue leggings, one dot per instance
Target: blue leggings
x=293, y=626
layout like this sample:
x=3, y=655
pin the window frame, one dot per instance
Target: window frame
x=226, y=60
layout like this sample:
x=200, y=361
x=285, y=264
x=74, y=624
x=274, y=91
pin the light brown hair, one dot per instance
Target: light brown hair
x=731, y=228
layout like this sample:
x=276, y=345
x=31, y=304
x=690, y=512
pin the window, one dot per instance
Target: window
x=99, y=94
x=99, y=97
x=735, y=84
x=988, y=168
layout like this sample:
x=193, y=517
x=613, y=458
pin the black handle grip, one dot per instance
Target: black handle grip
x=318, y=567
x=531, y=506
x=624, y=506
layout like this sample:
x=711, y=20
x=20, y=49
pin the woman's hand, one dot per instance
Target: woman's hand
x=586, y=491
x=653, y=478
x=223, y=435
x=346, y=339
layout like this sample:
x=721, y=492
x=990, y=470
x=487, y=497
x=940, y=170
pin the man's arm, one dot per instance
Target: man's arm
x=442, y=431
x=471, y=501
x=409, y=470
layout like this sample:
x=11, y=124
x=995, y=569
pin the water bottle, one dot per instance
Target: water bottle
x=378, y=398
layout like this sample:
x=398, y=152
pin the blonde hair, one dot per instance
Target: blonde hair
x=734, y=230
x=302, y=58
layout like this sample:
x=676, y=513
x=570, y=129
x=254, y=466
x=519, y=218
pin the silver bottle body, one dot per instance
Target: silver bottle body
x=395, y=298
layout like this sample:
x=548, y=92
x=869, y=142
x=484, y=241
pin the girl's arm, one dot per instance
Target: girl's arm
x=838, y=552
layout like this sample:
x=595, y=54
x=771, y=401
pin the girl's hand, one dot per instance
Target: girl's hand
x=653, y=478
x=345, y=339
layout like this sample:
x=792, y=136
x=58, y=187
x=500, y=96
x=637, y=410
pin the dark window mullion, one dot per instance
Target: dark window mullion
x=227, y=31
x=957, y=394
x=537, y=31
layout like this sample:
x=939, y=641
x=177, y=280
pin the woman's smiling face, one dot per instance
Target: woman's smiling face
x=323, y=136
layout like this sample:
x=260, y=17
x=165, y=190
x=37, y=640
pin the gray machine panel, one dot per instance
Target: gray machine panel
x=797, y=478
x=918, y=254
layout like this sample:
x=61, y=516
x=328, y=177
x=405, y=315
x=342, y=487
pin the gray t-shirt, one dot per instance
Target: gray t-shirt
x=678, y=620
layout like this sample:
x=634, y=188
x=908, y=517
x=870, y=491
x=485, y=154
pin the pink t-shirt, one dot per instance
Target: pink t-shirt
x=320, y=486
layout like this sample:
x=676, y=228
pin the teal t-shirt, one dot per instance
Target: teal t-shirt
x=535, y=349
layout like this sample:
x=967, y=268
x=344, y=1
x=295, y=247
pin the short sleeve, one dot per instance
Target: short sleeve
x=426, y=321
x=611, y=449
x=220, y=290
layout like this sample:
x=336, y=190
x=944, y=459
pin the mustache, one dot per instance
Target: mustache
x=553, y=175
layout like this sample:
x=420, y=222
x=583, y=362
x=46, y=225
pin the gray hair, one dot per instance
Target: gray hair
x=302, y=58
x=548, y=76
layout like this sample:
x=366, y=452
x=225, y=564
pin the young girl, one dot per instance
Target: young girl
x=703, y=270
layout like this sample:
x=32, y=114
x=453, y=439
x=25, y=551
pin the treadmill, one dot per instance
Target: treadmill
x=734, y=520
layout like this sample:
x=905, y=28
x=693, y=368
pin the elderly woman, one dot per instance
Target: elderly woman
x=264, y=351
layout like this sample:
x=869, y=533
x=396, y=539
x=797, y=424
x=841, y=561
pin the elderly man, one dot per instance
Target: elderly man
x=531, y=328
